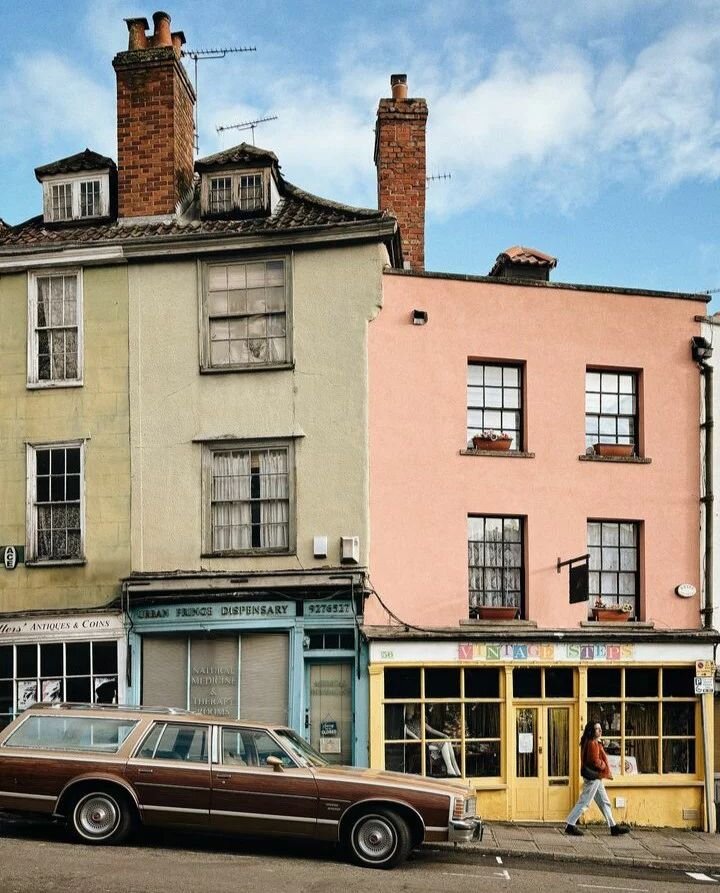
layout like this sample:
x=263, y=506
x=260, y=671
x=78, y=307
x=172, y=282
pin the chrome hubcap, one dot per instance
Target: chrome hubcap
x=375, y=838
x=97, y=816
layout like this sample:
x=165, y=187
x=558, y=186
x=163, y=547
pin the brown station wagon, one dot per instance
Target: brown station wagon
x=105, y=769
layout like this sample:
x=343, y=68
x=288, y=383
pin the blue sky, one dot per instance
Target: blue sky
x=589, y=128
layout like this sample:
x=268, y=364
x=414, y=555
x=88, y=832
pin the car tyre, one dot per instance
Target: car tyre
x=378, y=839
x=101, y=817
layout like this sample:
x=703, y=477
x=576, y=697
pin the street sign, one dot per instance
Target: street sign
x=704, y=667
x=704, y=685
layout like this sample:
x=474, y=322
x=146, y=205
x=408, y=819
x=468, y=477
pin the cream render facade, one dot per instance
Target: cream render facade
x=96, y=413
x=320, y=405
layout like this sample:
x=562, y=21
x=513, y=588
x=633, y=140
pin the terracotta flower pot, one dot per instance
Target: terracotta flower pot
x=612, y=615
x=496, y=612
x=485, y=443
x=616, y=450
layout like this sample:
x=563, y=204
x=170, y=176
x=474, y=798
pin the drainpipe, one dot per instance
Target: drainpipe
x=708, y=497
x=701, y=353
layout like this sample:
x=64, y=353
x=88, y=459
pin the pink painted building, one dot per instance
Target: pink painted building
x=474, y=627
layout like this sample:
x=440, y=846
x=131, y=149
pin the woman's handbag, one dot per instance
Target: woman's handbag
x=588, y=773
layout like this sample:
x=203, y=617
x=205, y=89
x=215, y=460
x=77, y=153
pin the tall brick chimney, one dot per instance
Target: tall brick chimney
x=400, y=162
x=155, y=134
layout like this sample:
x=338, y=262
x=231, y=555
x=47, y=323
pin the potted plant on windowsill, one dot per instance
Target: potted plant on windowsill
x=614, y=450
x=496, y=612
x=611, y=613
x=492, y=440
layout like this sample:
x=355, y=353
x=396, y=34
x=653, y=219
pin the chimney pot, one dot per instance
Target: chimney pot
x=161, y=37
x=137, y=39
x=178, y=39
x=398, y=84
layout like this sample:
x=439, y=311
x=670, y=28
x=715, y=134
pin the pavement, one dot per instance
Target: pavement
x=643, y=847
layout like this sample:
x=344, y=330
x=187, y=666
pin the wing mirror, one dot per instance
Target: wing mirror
x=276, y=763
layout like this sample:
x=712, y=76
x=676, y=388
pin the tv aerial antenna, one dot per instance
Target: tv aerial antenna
x=436, y=177
x=246, y=125
x=201, y=55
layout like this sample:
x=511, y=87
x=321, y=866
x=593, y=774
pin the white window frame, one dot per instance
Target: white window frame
x=31, y=546
x=74, y=181
x=33, y=379
x=215, y=446
x=236, y=177
x=203, y=271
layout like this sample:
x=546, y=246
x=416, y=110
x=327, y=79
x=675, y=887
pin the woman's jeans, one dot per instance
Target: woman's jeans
x=593, y=789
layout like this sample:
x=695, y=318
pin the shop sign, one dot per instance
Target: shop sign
x=222, y=611
x=704, y=685
x=328, y=609
x=525, y=652
x=12, y=556
x=328, y=728
x=66, y=627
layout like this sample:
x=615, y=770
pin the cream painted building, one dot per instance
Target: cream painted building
x=64, y=456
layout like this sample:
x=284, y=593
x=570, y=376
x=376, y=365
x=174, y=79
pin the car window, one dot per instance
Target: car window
x=251, y=747
x=79, y=733
x=176, y=742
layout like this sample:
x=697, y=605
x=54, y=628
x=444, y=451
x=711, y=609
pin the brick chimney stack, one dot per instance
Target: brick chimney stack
x=155, y=131
x=400, y=162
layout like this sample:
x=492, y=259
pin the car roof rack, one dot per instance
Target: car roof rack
x=126, y=708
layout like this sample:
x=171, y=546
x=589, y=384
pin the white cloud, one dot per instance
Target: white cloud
x=47, y=100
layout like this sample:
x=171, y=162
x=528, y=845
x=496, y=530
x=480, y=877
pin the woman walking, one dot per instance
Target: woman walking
x=594, y=769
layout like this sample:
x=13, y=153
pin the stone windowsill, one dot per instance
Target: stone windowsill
x=628, y=460
x=510, y=454
x=513, y=623
x=618, y=624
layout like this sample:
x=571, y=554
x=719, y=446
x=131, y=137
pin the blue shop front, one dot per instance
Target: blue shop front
x=274, y=650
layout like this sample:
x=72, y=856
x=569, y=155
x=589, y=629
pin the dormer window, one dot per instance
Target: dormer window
x=235, y=192
x=77, y=198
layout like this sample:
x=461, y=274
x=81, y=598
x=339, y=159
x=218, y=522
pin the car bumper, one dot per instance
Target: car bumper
x=466, y=830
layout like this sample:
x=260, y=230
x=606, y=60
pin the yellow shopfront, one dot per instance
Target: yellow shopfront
x=508, y=717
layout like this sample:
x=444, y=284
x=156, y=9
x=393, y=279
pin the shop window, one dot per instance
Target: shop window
x=543, y=682
x=645, y=732
x=402, y=683
x=85, y=672
x=527, y=682
x=443, y=721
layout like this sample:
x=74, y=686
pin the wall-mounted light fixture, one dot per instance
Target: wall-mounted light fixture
x=701, y=349
x=419, y=317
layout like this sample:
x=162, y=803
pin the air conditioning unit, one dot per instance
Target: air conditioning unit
x=350, y=549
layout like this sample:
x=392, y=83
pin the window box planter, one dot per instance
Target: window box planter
x=497, y=444
x=614, y=450
x=610, y=615
x=496, y=612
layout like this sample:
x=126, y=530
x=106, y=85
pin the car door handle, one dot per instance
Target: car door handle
x=142, y=771
x=223, y=775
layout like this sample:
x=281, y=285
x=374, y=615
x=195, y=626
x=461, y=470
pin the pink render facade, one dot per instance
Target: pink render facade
x=509, y=697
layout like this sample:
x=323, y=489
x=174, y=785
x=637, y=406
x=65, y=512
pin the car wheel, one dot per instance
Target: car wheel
x=379, y=839
x=101, y=817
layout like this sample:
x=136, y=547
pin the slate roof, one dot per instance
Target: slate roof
x=73, y=164
x=242, y=154
x=519, y=254
x=297, y=210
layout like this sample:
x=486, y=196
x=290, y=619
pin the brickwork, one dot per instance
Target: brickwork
x=155, y=102
x=401, y=172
